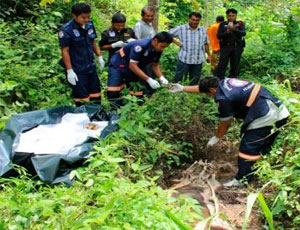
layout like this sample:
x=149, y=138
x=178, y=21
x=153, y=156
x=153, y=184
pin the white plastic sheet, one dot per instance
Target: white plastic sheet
x=59, y=138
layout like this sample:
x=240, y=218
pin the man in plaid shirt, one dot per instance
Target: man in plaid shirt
x=193, y=46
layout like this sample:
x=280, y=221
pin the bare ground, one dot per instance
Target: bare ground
x=203, y=179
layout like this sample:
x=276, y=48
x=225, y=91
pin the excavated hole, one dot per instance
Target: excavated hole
x=206, y=172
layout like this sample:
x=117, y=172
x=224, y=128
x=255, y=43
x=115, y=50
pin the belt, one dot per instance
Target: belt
x=232, y=43
x=253, y=95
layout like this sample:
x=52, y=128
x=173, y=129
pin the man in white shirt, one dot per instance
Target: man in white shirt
x=144, y=28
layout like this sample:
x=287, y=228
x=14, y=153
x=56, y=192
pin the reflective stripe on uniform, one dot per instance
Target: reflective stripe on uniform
x=122, y=53
x=253, y=95
x=249, y=157
x=82, y=99
x=95, y=95
x=137, y=93
x=115, y=88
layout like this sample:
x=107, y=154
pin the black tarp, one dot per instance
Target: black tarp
x=51, y=168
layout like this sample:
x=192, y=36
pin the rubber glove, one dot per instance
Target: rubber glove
x=72, y=76
x=176, y=88
x=153, y=83
x=118, y=44
x=164, y=82
x=131, y=40
x=212, y=141
x=102, y=62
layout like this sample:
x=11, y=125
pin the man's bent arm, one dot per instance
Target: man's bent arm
x=156, y=69
x=223, y=128
x=133, y=66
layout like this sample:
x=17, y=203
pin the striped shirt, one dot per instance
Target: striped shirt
x=193, y=43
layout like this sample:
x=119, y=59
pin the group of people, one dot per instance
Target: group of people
x=133, y=63
x=134, y=53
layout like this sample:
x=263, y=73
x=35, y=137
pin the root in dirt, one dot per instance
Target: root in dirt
x=199, y=182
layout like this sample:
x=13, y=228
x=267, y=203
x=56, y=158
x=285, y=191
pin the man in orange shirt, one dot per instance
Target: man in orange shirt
x=215, y=42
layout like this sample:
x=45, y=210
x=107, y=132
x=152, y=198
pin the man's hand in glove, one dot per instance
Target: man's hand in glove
x=176, y=88
x=131, y=40
x=102, y=62
x=163, y=81
x=153, y=83
x=72, y=76
x=212, y=141
x=118, y=44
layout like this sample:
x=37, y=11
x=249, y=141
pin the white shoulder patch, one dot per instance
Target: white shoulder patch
x=61, y=34
x=237, y=82
x=137, y=49
x=90, y=31
x=76, y=33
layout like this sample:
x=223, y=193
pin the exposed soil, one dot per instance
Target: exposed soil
x=295, y=82
x=205, y=175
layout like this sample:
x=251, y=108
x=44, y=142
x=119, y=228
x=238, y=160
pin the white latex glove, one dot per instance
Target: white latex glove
x=118, y=44
x=153, y=83
x=212, y=141
x=176, y=88
x=164, y=82
x=72, y=76
x=102, y=62
x=131, y=40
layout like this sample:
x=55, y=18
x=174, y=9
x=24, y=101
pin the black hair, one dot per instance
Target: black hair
x=196, y=14
x=81, y=8
x=147, y=8
x=220, y=18
x=208, y=82
x=118, y=18
x=234, y=11
x=164, y=37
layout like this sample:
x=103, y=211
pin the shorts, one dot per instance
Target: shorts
x=259, y=141
x=88, y=83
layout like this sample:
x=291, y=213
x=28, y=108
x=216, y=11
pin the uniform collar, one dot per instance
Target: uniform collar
x=78, y=26
x=122, y=31
x=149, y=45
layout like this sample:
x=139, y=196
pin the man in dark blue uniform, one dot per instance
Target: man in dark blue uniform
x=117, y=36
x=127, y=66
x=230, y=33
x=77, y=42
x=259, y=109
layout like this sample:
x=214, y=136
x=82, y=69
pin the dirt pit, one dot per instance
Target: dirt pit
x=203, y=179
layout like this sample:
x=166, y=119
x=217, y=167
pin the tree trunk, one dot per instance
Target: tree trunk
x=206, y=13
x=155, y=5
x=213, y=12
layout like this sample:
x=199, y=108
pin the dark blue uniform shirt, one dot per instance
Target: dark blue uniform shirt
x=232, y=96
x=80, y=43
x=140, y=51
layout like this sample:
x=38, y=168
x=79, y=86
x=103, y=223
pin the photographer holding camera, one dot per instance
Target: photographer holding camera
x=232, y=43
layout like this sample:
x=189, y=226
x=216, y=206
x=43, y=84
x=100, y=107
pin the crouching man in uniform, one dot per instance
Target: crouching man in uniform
x=259, y=109
x=128, y=66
